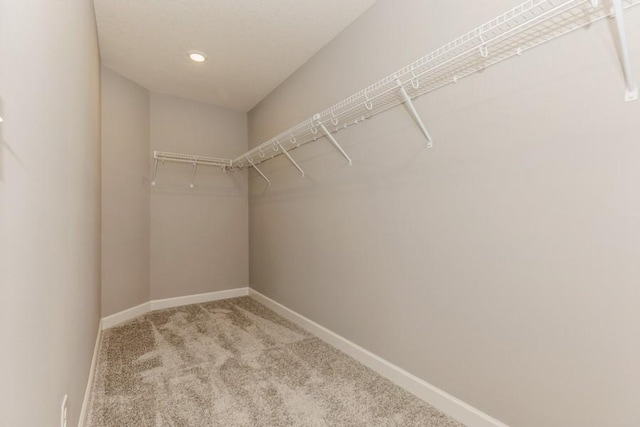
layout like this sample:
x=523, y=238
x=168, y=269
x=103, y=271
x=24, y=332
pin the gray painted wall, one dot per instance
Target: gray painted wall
x=49, y=207
x=169, y=240
x=125, y=193
x=502, y=265
x=199, y=236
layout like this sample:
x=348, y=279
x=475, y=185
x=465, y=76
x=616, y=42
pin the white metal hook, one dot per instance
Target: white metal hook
x=315, y=121
x=261, y=153
x=368, y=104
x=292, y=139
x=483, y=48
x=334, y=119
x=414, y=81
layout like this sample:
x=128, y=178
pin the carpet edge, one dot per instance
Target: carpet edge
x=92, y=371
x=429, y=393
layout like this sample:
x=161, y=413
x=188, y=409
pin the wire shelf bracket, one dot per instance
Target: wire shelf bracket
x=193, y=174
x=332, y=139
x=290, y=158
x=259, y=171
x=631, y=92
x=155, y=170
x=414, y=113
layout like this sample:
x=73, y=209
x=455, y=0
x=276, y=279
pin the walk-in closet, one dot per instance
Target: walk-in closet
x=319, y=213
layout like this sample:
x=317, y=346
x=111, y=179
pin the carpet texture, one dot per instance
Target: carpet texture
x=236, y=363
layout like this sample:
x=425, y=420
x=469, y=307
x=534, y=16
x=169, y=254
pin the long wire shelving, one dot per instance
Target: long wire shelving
x=511, y=34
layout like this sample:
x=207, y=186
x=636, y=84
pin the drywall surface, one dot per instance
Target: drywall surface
x=501, y=265
x=49, y=208
x=199, y=236
x=125, y=193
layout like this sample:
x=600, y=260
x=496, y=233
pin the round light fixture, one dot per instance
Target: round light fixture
x=197, y=57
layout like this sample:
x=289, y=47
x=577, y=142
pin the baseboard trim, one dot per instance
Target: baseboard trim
x=92, y=369
x=126, y=315
x=159, y=304
x=441, y=400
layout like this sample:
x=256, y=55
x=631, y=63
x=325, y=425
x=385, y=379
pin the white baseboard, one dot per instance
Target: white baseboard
x=92, y=369
x=159, y=304
x=125, y=315
x=441, y=400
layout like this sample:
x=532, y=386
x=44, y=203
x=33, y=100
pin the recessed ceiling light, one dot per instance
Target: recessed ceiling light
x=197, y=57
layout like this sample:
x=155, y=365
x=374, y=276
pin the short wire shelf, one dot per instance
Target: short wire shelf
x=165, y=156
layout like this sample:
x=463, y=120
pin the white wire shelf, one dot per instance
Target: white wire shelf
x=524, y=27
x=164, y=156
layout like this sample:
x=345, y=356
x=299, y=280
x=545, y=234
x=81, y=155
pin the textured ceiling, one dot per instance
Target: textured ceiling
x=251, y=45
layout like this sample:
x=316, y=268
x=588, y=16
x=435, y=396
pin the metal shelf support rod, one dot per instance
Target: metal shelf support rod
x=155, y=171
x=286, y=153
x=414, y=113
x=193, y=174
x=259, y=171
x=333, y=140
x=631, y=93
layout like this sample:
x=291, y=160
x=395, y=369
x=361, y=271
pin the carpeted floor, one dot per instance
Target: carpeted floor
x=236, y=363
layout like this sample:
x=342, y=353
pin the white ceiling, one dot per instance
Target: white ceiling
x=251, y=45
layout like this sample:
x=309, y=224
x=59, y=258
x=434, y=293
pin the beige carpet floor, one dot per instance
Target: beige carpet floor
x=236, y=363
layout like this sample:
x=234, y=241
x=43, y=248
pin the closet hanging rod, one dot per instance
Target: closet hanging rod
x=516, y=31
x=165, y=156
